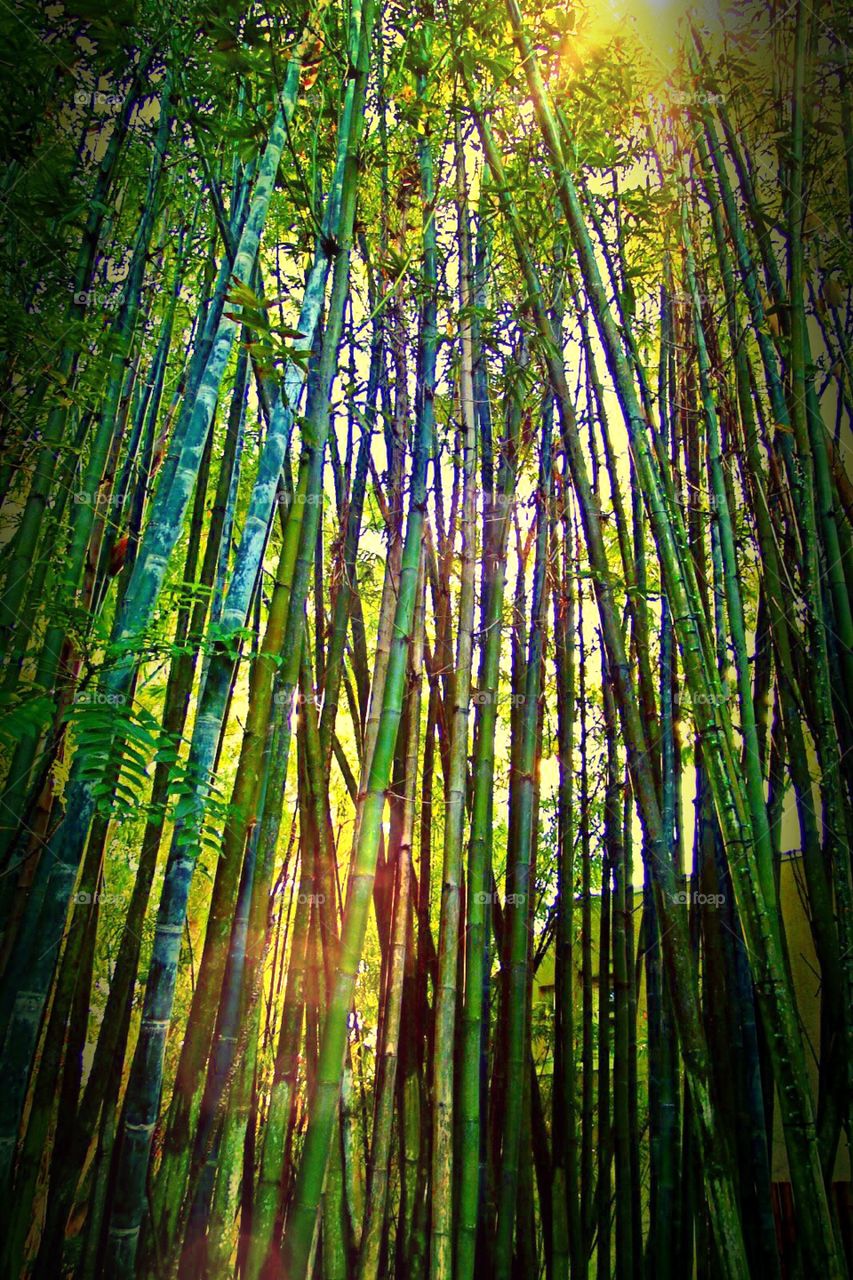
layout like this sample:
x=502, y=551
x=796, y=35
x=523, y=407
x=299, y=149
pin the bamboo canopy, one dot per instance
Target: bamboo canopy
x=427, y=649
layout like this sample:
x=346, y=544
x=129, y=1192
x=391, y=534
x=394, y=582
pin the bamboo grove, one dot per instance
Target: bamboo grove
x=427, y=646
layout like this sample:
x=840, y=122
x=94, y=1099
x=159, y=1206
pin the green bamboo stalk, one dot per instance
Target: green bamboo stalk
x=773, y=577
x=58, y=867
x=242, y=992
x=622, y=965
x=374, y=1222
x=587, y=1116
x=167, y=1198
x=69, y=1151
x=471, y=1102
x=604, y=1144
x=813, y=465
x=22, y=1028
x=518, y=880
x=441, y=1245
x=276, y=1134
x=718, y=1166
x=147, y=1073
x=771, y=976
x=663, y=1080
x=301, y=1223
x=737, y=626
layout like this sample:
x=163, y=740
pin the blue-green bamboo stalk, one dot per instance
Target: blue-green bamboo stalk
x=146, y=1075
x=62, y=856
x=25, y=1013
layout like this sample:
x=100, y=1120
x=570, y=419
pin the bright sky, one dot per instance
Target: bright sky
x=655, y=23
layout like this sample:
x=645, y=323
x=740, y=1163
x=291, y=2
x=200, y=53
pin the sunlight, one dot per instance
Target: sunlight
x=655, y=24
